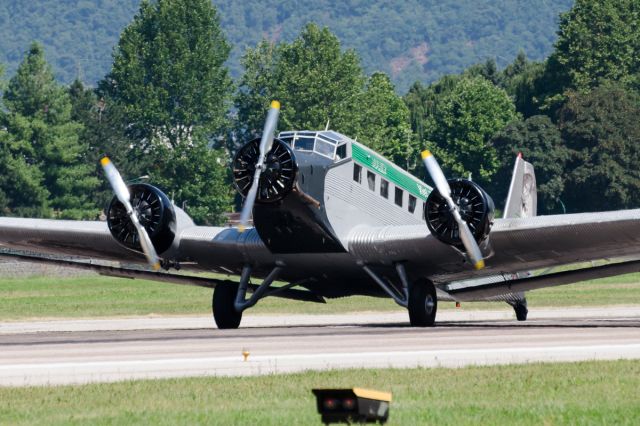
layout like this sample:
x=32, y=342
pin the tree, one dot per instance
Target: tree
x=423, y=101
x=314, y=80
x=104, y=133
x=540, y=142
x=38, y=118
x=385, y=123
x=461, y=124
x=196, y=177
x=168, y=72
x=597, y=40
x=601, y=130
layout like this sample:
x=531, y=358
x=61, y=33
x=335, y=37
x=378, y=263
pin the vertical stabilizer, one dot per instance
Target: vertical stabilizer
x=522, y=200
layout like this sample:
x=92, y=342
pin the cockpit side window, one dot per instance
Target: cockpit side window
x=304, y=143
x=341, y=152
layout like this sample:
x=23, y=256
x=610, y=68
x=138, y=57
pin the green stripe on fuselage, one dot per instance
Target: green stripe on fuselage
x=384, y=168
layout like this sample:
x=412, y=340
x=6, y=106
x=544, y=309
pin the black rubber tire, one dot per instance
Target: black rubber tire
x=423, y=304
x=521, y=311
x=224, y=313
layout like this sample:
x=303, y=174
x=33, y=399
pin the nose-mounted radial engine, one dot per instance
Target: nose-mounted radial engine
x=278, y=173
x=474, y=204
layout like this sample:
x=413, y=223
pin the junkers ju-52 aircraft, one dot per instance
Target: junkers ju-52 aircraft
x=333, y=218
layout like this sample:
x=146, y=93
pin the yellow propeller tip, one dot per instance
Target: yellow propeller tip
x=156, y=266
x=479, y=264
x=104, y=161
x=275, y=104
x=241, y=228
x=426, y=154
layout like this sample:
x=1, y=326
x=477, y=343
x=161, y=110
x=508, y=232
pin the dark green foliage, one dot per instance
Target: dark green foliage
x=598, y=40
x=168, y=73
x=168, y=92
x=314, y=80
x=195, y=177
x=385, y=123
x=38, y=119
x=410, y=40
x=539, y=141
x=104, y=133
x=601, y=129
x=460, y=123
x=318, y=83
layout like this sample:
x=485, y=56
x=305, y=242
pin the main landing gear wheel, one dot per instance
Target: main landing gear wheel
x=224, y=312
x=423, y=304
x=521, y=310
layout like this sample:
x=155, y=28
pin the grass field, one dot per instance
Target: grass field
x=534, y=394
x=96, y=296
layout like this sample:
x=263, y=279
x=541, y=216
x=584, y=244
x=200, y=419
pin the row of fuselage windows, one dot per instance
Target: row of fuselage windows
x=398, y=195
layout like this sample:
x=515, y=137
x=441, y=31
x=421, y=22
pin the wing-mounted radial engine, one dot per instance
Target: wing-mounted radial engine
x=278, y=175
x=447, y=220
x=474, y=204
x=155, y=213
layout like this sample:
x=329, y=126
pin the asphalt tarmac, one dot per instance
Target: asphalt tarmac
x=85, y=351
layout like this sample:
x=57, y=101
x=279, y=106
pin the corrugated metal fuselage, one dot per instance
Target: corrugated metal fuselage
x=312, y=224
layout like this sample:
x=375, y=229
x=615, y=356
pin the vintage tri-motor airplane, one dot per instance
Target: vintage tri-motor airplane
x=332, y=218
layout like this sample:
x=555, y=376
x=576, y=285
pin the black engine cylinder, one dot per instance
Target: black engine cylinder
x=277, y=179
x=155, y=212
x=476, y=208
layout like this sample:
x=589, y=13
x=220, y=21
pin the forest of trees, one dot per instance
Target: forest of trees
x=411, y=40
x=168, y=108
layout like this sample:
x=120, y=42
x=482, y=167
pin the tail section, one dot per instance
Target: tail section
x=522, y=200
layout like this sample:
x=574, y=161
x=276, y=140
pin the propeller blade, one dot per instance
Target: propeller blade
x=123, y=195
x=266, y=142
x=469, y=243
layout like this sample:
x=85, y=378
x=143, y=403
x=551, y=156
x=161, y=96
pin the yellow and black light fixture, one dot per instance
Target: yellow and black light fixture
x=354, y=405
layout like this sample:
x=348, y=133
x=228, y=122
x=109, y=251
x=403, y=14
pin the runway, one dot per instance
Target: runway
x=84, y=351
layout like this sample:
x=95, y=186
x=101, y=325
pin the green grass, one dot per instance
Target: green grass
x=95, y=296
x=535, y=394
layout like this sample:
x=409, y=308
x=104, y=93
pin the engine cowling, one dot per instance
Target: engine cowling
x=156, y=214
x=476, y=208
x=278, y=178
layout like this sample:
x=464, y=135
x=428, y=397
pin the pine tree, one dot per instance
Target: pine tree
x=38, y=117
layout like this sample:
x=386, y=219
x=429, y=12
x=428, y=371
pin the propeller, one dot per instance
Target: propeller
x=122, y=193
x=470, y=244
x=266, y=143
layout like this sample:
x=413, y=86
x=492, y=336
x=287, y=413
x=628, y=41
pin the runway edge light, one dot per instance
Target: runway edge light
x=355, y=405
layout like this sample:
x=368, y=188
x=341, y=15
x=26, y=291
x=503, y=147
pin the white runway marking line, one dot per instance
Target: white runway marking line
x=398, y=355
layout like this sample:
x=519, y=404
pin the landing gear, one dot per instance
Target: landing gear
x=224, y=312
x=520, y=308
x=423, y=304
x=230, y=301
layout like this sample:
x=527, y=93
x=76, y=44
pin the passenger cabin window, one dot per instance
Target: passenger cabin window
x=399, y=195
x=371, y=180
x=357, y=172
x=384, y=188
x=412, y=203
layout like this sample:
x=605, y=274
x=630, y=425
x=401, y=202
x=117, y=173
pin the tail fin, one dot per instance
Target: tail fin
x=522, y=200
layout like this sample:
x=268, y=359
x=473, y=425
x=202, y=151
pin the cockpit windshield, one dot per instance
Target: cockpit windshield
x=327, y=143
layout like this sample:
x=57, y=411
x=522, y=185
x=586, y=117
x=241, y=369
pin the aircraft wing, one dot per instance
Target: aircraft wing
x=514, y=245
